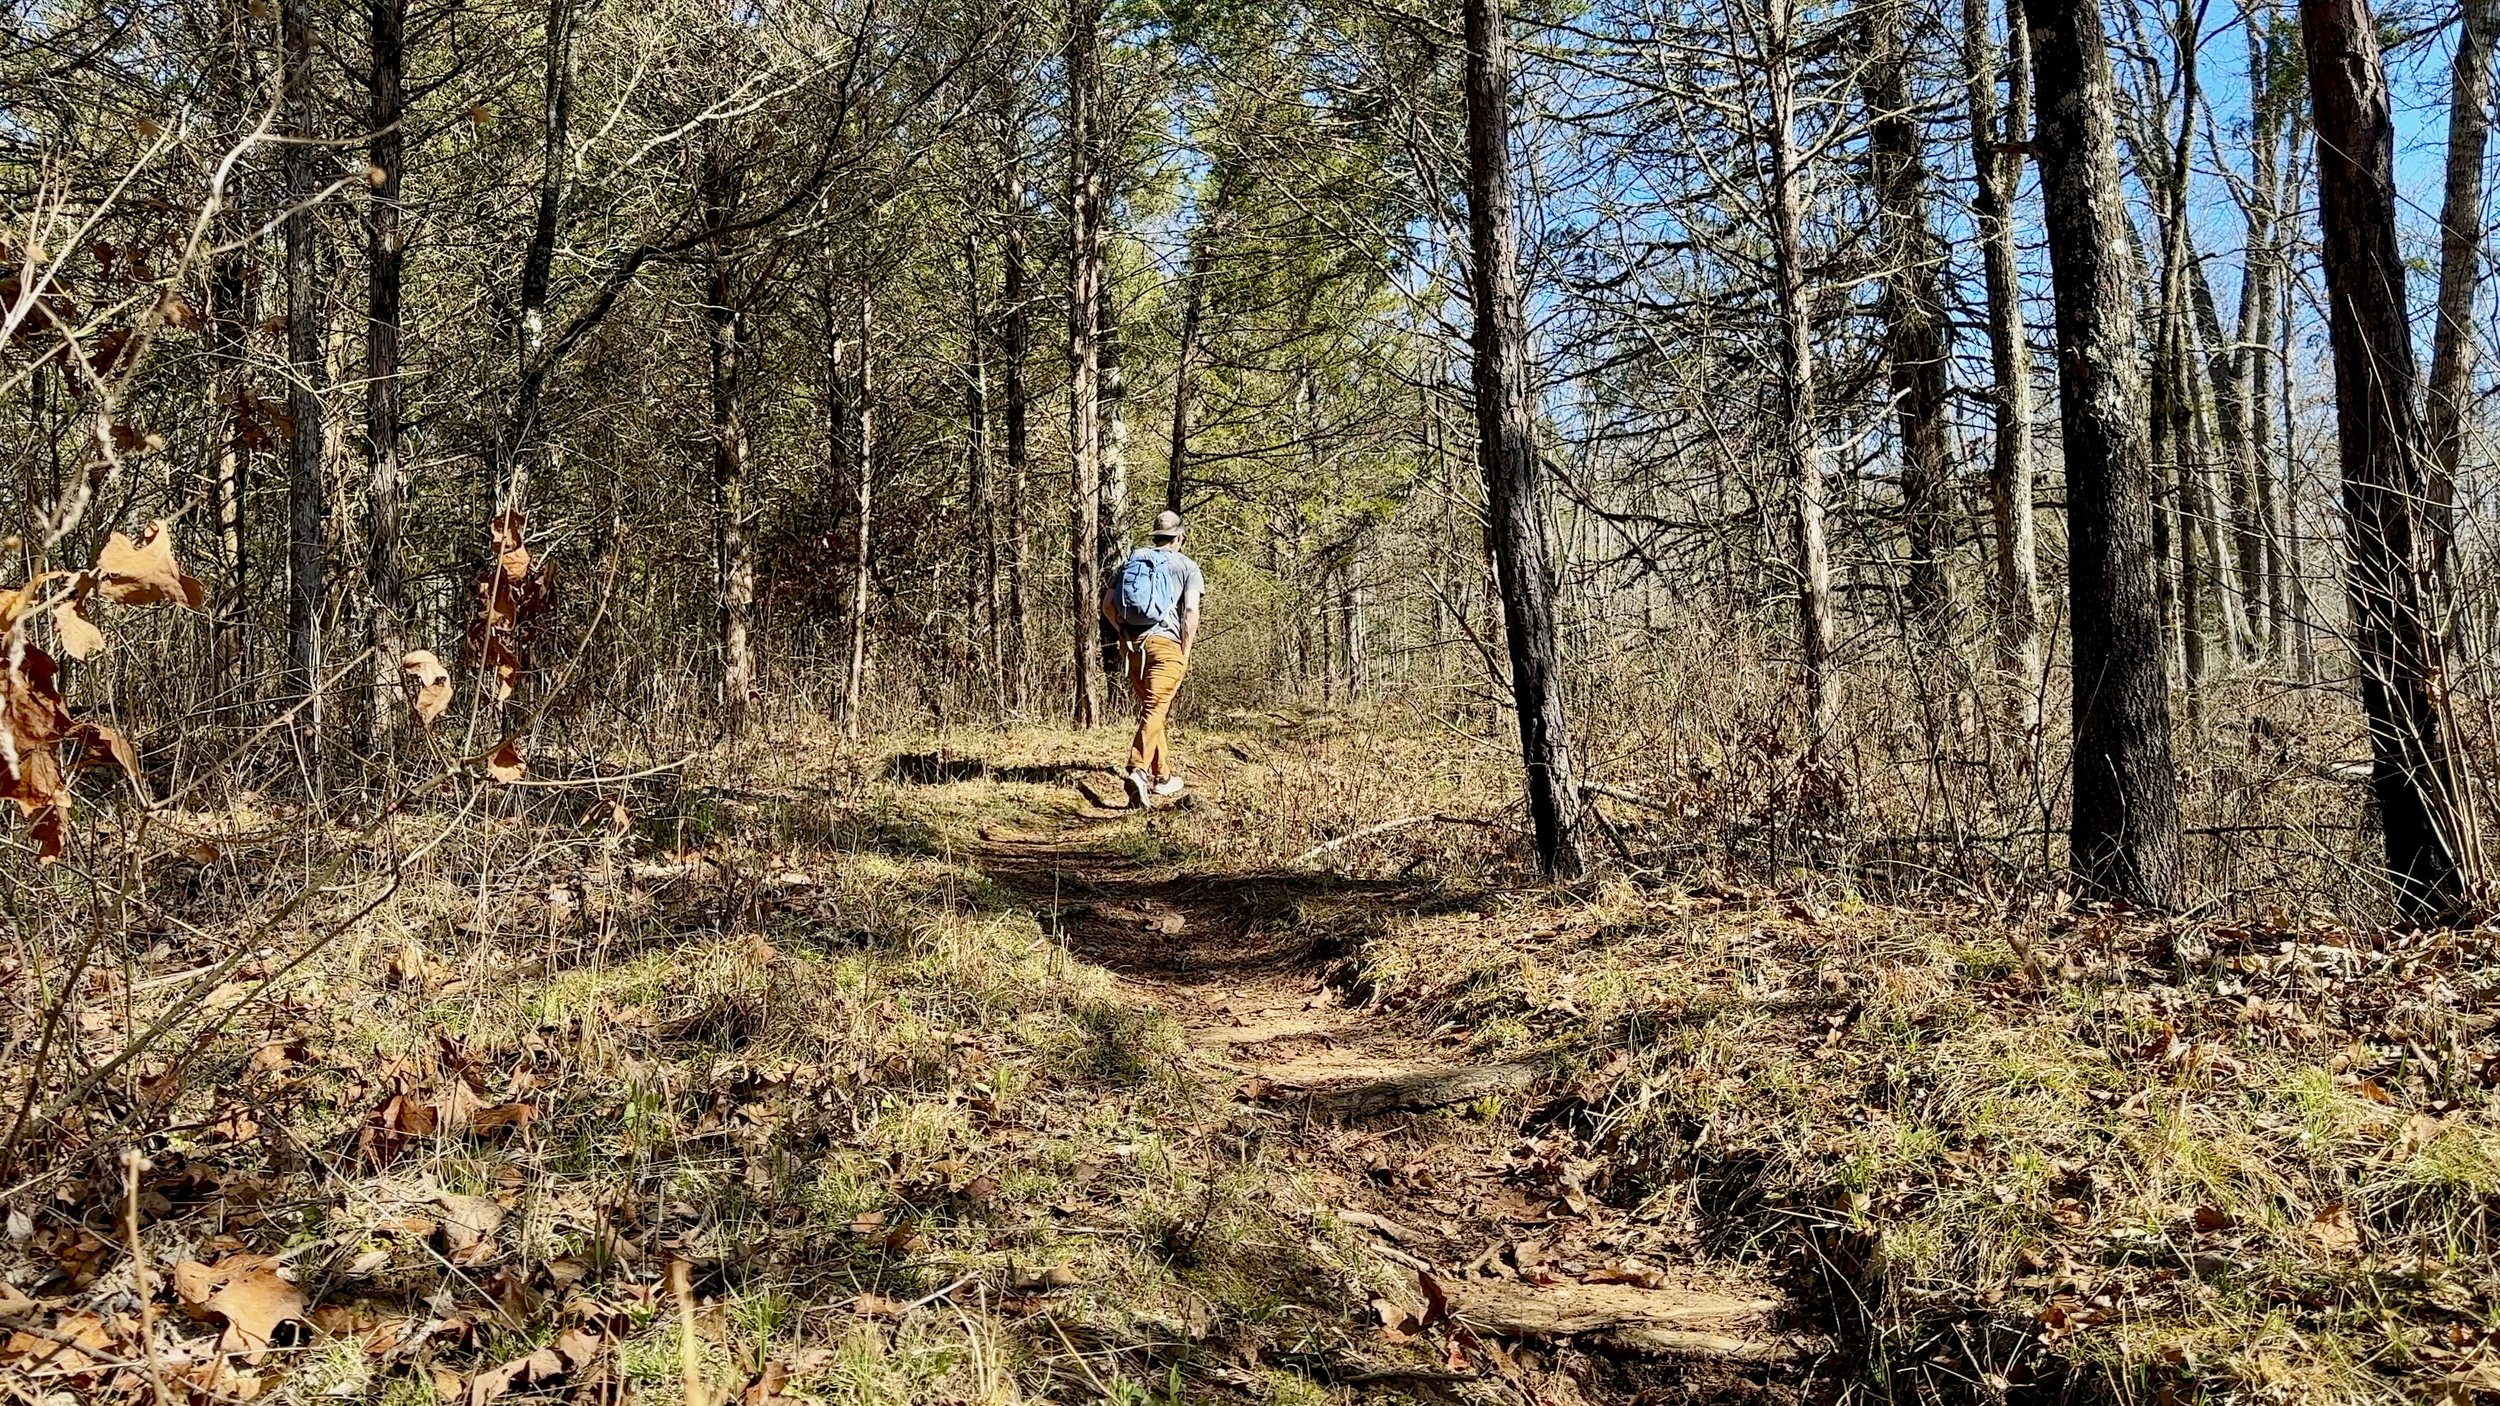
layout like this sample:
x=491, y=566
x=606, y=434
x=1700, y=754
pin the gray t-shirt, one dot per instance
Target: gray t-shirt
x=1181, y=573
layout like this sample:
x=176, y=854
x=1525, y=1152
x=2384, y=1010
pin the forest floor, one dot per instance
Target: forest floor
x=914, y=1073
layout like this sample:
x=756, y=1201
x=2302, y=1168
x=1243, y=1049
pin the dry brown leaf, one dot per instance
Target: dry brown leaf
x=2332, y=1230
x=105, y=746
x=80, y=639
x=468, y=1220
x=144, y=572
x=506, y=763
x=425, y=669
x=503, y=1115
x=260, y=1309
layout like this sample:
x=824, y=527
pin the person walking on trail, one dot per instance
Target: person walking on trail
x=1152, y=600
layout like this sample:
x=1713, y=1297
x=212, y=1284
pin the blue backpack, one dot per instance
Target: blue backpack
x=1147, y=592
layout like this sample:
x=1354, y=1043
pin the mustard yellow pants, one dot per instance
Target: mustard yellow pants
x=1155, y=669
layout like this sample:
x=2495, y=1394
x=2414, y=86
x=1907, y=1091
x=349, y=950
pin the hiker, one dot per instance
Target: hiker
x=1152, y=600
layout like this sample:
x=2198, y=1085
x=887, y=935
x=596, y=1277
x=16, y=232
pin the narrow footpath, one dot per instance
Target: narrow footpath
x=1435, y=1159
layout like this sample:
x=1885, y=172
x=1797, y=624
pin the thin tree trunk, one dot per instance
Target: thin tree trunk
x=2391, y=538
x=2239, y=573
x=1202, y=256
x=1015, y=338
x=307, y=494
x=1998, y=159
x=734, y=560
x=229, y=318
x=507, y=486
x=385, y=246
x=2124, y=842
x=1506, y=443
x=2303, y=618
x=1111, y=525
x=1918, y=335
x=2460, y=275
x=1802, y=444
x=2263, y=290
x=863, y=503
x=2173, y=393
x=981, y=582
x=1084, y=357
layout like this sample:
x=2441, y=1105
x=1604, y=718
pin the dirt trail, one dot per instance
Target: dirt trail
x=1248, y=965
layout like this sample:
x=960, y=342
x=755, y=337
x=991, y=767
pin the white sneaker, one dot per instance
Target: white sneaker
x=1168, y=786
x=1134, y=782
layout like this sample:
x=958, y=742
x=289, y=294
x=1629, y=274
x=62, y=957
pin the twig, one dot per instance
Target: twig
x=133, y=1164
x=1383, y=828
x=927, y=1299
x=681, y=1284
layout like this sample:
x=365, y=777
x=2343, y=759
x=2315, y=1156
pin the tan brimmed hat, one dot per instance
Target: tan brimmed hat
x=1167, y=525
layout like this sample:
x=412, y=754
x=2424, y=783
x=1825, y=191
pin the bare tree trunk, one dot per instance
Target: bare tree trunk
x=385, y=245
x=734, y=562
x=1084, y=356
x=2174, y=437
x=863, y=504
x=1111, y=525
x=507, y=466
x=307, y=494
x=981, y=582
x=2460, y=275
x=230, y=461
x=1202, y=255
x=1802, y=446
x=1506, y=442
x=1998, y=157
x=1015, y=338
x=1918, y=335
x=2238, y=573
x=2390, y=537
x=2124, y=842
x=2262, y=290
x=2303, y=618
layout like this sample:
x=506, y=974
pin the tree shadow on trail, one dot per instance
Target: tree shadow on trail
x=1140, y=919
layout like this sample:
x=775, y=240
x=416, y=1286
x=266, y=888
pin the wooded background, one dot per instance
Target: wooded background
x=1938, y=443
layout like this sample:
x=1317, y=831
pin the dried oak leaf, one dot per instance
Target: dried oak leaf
x=260, y=1309
x=425, y=669
x=80, y=639
x=2332, y=1230
x=145, y=573
x=506, y=763
x=468, y=1221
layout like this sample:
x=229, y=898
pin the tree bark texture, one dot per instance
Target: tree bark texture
x=1506, y=444
x=2124, y=838
x=385, y=246
x=734, y=560
x=1085, y=248
x=1918, y=332
x=1802, y=446
x=863, y=504
x=981, y=580
x=2386, y=466
x=2460, y=270
x=507, y=486
x=307, y=493
x=1998, y=159
x=1014, y=340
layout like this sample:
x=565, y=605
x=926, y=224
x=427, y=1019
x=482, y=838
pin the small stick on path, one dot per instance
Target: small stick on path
x=1384, y=827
